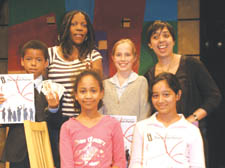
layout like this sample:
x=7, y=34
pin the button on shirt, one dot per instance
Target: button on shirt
x=120, y=89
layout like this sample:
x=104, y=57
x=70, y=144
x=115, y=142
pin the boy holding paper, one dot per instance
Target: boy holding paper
x=34, y=60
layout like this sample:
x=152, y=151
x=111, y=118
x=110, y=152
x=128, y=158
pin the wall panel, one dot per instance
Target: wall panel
x=84, y=5
x=160, y=10
x=188, y=27
x=34, y=29
x=188, y=37
x=3, y=12
x=4, y=42
x=24, y=10
x=188, y=9
x=108, y=17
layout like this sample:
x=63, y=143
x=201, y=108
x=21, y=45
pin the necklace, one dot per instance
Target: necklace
x=169, y=66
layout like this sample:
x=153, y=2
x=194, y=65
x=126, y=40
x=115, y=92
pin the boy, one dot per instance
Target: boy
x=34, y=60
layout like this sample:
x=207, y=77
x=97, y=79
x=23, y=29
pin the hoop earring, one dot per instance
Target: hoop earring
x=58, y=37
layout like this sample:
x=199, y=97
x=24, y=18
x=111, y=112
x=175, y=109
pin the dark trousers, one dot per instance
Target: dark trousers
x=22, y=164
x=54, y=139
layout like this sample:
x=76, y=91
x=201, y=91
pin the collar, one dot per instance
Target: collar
x=157, y=122
x=132, y=77
x=38, y=83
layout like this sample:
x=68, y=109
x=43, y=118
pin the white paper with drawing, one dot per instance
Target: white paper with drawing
x=18, y=89
x=127, y=125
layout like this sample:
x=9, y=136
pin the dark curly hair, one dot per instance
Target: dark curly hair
x=64, y=36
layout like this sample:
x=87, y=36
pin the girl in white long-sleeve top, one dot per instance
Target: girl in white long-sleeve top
x=166, y=139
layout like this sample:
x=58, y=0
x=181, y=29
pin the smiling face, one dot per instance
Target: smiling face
x=164, y=99
x=162, y=42
x=124, y=57
x=88, y=93
x=34, y=62
x=78, y=28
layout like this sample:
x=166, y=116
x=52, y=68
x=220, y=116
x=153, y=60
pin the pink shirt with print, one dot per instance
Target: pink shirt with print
x=100, y=146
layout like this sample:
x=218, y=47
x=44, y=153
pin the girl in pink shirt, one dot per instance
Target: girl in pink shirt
x=91, y=140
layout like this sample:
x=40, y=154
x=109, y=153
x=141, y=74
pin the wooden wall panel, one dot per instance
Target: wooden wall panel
x=3, y=12
x=2, y=140
x=4, y=67
x=4, y=42
x=188, y=9
x=188, y=27
x=188, y=37
x=3, y=59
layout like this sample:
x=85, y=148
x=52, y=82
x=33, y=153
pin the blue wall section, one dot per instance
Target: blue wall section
x=160, y=10
x=84, y=5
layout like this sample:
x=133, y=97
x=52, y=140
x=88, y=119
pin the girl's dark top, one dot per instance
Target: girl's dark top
x=199, y=90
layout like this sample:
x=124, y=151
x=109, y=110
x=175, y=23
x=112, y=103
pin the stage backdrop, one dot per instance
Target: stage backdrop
x=112, y=21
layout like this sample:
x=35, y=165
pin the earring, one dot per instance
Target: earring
x=58, y=37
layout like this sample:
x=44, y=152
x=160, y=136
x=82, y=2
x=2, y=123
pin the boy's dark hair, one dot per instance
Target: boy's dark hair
x=64, y=36
x=35, y=44
x=95, y=75
x=160, y=25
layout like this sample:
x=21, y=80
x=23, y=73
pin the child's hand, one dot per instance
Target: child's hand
x=53, y=99
x=2, y=99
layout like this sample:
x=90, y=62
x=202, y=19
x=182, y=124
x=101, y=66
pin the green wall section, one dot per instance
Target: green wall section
x=148, y=58
x=24, y=10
